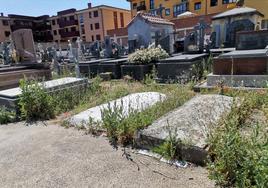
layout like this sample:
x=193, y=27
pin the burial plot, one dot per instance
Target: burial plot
x=112, y=66
x=178, y=68
x=91, y=68
x=135, y=102
x=10, y=97
x=190, y=124
x=241, y=68
x=250, y=40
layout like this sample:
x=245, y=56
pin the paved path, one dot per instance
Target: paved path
x=52, y=156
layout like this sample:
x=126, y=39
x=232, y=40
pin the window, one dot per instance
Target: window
x=151, y=4
x=134, y=6
x=228, y=1
x=55, y=32
x=71, y=17
x=115, y=20
x=213, y=3
x=82, y=29
x=7, y=33
x=53, y=22
x=197, y=6
x=90, y=15
x=122, y=19
x=96, y=13
x=180, y=8
x=91, y=27
x=92, y=38
x=73, y=29
x=98, y=37
x=66, y=30
x=167, y=11
x=81, y=18
x=5, y=22
x=264, y=24
x=97, y=25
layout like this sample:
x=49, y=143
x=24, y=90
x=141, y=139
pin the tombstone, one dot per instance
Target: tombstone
x=24, y=45
x=6, y=54
x=250, y=40
x=194, y=42
x=234, y=28
x=108, y=47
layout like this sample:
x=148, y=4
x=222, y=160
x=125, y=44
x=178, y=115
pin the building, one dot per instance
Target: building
x=90, y=24
x=40, y=26
x=94, y=22
x=170, y=9
x=262, y=7
x=65, y=26
x=145, y=29
x=227, y=24
x=4, y=28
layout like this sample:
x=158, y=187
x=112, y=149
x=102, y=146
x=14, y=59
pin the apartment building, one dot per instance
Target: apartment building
x=94, y=22
x=4, y=28
x=170, y=9
x=65, y=26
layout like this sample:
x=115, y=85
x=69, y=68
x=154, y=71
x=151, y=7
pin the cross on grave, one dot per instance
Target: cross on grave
x=200, y=28
x=160, y=10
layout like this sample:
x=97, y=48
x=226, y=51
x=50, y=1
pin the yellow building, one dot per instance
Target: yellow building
x=262, y=7
x=172, y=8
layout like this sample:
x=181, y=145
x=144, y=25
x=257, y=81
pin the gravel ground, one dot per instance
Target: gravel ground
x=52, y=156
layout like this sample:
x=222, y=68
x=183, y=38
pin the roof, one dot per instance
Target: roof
x=152, y=19
x=186, y=14
x=237, y=11
x=102, y=6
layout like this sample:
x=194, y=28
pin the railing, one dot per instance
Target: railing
x=69, y=34
x=63, y=23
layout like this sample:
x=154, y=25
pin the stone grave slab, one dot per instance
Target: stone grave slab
x=9, y=97
x=113, y=66
x=137, y=102
x=91, y=68
x=190, y=123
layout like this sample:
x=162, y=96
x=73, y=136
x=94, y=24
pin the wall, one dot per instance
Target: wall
x=3, y=29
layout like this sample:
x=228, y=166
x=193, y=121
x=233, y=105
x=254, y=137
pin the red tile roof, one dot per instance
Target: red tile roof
x=151, y=19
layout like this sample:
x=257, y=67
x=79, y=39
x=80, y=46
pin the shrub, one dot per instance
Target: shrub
x=6, y=116
x=235, y=159
x=149, y=55
x=35, y=104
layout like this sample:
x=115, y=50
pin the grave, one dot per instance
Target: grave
x=137, y=102
x=190, y=124
x=113, y=66
x=240, y=68
x=10, y=97
x=178, y=67
x=91, y=68
x=27, y=66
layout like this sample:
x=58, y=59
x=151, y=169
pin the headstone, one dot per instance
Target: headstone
x=190, y=123
x=107, y=47
x=137, y=102
x=24, y=45
x=251, y=40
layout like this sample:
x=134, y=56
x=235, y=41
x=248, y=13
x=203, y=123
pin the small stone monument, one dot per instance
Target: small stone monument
x=24, y=45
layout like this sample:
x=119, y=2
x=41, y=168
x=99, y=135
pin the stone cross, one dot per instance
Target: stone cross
x=200, y=28
x=160, y=10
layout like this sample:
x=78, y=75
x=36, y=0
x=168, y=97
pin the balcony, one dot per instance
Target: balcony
x=69, y=34
x=16, y=27
x=63, y=23
x=141, y=7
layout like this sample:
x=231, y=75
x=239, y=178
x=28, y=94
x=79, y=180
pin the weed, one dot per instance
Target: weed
x=6, y=116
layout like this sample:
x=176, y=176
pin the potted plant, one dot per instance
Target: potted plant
x=141, y=62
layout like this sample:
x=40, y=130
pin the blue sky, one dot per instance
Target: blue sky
x=51, y=7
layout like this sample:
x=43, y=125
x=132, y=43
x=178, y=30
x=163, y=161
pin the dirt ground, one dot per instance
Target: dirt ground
x=52, y=156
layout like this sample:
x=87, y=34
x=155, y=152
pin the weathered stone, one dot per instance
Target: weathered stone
x=137, y=102
x=190, y=123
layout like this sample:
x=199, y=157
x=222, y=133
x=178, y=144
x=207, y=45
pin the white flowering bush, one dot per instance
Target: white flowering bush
x=148, y=55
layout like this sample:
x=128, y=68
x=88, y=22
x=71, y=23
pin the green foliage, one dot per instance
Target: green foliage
x=6, y=116
x=123, y=129
x=235, y=159
x=35, y=104
x=169, y=149
x=148, y=55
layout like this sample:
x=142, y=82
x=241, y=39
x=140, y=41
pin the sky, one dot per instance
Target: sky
x=51, y=7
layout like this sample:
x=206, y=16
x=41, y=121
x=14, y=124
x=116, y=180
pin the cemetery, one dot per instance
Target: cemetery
x=157, y=108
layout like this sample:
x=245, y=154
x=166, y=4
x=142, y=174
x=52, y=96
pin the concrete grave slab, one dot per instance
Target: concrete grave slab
x=137, y=102
x=190, y=123
x=9, y=97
